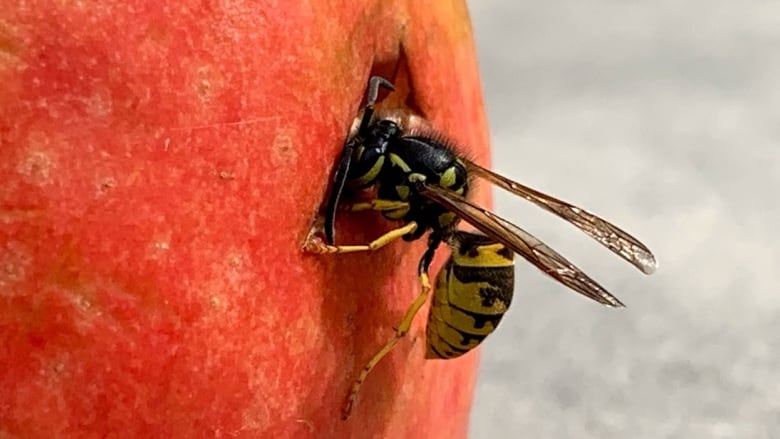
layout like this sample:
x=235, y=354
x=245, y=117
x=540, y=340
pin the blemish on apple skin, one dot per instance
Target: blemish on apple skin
x=58, y=367
x=282, y=151
x=235, y=260
x=36, y=167
x=255, y=417
x=204, y=88
x=106, y=184
x=15, y=260
x=236, y=269
x=226, y=175
x=53, y=369
x=82, y=303
x=203, y=85
x=216, y=302
x=159, y=246
x=99, y=103
x=307, y=423
x=228, y=279
x=162, y=245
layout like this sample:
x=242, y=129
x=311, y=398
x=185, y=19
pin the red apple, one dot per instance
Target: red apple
x=160, y=166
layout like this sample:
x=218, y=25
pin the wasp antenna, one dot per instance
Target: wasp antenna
x=373, y=94
x=373, y=89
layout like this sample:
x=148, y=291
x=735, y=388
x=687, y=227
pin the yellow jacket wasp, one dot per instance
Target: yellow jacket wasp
x=423, y=183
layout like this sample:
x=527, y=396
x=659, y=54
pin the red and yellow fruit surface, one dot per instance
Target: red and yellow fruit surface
x=160, y=164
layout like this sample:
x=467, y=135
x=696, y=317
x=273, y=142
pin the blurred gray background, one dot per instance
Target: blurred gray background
x=663, y=117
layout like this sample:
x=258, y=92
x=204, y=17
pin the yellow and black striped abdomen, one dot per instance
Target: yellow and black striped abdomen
x=473, y=291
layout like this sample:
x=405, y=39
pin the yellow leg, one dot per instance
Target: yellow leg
x=402, y=329
x=375, y=204
x=321, y=247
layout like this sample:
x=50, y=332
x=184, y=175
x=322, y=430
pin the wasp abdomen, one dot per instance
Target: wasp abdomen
x=473, y=291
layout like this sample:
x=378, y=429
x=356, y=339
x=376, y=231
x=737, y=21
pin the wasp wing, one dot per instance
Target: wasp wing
x=522, y=243
x=608, y=234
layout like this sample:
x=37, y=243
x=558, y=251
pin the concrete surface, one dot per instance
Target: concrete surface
x=663, y=117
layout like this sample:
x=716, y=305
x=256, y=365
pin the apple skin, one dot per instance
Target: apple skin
x=160, y=165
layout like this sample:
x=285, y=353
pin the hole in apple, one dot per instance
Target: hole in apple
x=366, y=293
x=402, y=99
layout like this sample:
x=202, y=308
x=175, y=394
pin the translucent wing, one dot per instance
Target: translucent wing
x=522, y=243
x=609, y=235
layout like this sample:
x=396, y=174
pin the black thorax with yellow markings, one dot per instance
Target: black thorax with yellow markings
x=393, y=162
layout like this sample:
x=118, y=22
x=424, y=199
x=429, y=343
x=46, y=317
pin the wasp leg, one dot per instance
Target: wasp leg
x=375, y=204
x=317, y=246
x=401, y=330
